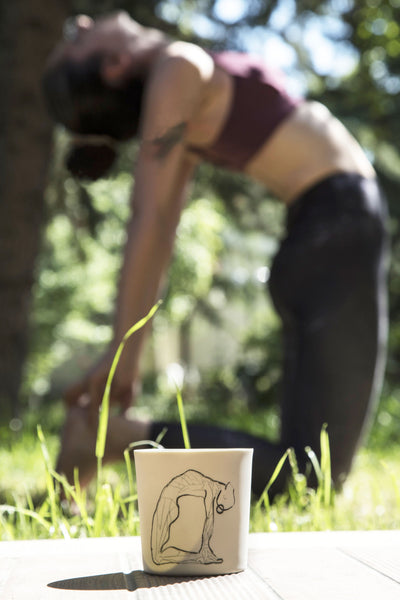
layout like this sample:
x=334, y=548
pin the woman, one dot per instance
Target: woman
x=111, y=79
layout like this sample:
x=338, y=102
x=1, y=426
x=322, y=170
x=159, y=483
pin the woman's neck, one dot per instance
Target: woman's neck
x=145, y=46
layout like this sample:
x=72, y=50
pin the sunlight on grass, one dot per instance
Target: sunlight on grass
x=39, y=503
x=370, y=498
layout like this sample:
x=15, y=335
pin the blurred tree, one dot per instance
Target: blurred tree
x=28, y=29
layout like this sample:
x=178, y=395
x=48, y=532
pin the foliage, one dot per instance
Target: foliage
x=31, y=506
x=198, y=247
x=76, y=279
x=113, y=510
x=231, y=226
x=368, y=501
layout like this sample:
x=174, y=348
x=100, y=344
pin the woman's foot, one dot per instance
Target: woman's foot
x=78, y=442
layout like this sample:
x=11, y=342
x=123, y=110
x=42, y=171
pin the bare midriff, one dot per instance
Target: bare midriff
x=308, y=146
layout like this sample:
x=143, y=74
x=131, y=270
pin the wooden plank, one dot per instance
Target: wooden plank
x=32, y=577
x=109, y=568
x=282, y=566
x=315, y=574
x=326, y=539
x=383, y=560
x=329, y=566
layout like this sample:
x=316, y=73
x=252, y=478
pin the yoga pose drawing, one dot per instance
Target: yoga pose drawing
x=217, y=497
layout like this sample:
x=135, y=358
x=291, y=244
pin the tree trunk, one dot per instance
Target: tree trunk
x=28, y=31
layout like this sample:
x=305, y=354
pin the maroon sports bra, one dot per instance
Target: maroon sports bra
x=259, y=104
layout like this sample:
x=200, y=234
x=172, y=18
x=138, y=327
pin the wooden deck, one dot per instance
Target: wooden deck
x=282, y=566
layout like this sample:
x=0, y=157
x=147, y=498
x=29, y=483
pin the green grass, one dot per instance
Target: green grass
x=370, y=499
x=32, y=507
x=36, y=502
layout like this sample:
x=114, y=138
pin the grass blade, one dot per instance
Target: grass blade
x=326, y=466
x=314, y=461
x=264, y=496
x=182, y=419
x=105, y=404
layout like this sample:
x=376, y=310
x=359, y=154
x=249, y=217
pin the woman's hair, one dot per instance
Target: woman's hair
x=90, y=161
x=78, y=98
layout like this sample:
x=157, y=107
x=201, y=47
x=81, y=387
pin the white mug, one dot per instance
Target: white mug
x=194, y=508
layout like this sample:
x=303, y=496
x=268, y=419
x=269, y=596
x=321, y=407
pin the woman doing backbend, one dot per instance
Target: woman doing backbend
x=112, y=79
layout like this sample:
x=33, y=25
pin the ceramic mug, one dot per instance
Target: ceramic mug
x=194, y=508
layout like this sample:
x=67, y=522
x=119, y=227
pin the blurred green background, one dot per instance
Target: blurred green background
x=62, y=239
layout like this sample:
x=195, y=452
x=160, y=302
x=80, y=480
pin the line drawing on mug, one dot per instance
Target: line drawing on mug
x=217, y=497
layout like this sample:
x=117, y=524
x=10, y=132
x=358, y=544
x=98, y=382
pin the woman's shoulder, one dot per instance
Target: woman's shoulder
x=185, y=59
x=179, y=84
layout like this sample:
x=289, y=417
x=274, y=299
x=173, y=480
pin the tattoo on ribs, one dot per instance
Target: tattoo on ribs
x=171, y=138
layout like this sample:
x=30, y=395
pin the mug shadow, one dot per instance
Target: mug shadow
x=118, y=581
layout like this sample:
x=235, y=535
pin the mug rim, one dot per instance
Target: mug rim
x=193, y=450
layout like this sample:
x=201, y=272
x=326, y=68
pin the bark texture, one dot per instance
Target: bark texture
x=28, y=31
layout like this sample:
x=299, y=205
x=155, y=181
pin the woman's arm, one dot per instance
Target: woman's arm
x=163, y=173
x=148, y=250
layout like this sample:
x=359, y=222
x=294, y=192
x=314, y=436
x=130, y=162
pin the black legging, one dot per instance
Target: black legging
x=328, y=285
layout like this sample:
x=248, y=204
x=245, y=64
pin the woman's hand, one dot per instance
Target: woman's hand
x=89, y=391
